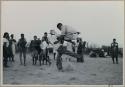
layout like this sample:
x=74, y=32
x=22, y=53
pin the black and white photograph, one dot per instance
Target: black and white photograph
x=62, y=42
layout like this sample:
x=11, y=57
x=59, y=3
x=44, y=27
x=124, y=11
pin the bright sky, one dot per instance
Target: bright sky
x=98, y=21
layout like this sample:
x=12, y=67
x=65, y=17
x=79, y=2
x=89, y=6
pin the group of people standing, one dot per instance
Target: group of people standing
x=9, y=44
x=67, y=43
x=60, y=43
x=9, y=48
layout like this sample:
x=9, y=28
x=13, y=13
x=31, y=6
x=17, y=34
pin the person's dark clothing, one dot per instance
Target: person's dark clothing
x=59, y=62
x=5, y=54
x=38, y=46
x=5, y=51
x=80, y=48
x=62, y=50
x=80, y=51
x=73, y=48
x=33, y=45
x=10, y=54
x=22, y=45
x=22, y=49
x=114, y=52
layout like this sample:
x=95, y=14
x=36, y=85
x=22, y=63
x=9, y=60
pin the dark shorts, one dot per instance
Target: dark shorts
x=10, y=52
x=39, y=50
x=23, y=50
x=114, y=55
x=61, y=49
x=5, y=52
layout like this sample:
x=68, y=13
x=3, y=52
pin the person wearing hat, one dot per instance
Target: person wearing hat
x=114, y=51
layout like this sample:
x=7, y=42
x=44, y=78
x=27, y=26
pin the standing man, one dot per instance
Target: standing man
x=67, y=34
x=5, y=49
x=114, y=51
x=34, y=50
x=34, y=42
x=80, y=50
x=22, y=48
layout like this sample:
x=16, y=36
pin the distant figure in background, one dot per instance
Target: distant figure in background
x=92, y=54
x=12, y=47
x=22, y=48
x=114, y=51
x=101, y=53
x=80, y=50
x=5, y=49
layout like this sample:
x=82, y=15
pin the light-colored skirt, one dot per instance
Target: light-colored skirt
x=13, y=49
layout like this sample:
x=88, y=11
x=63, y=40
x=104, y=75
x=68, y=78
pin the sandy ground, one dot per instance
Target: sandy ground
x=94, y=71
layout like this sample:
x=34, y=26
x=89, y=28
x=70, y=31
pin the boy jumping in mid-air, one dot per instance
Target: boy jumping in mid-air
x=67, y=34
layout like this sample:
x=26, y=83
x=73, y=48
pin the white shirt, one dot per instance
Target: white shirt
x=69, y=46
x=58, y=45
x=44, y=45
x=71, y=34
x=52, y=38
x=6, y=41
